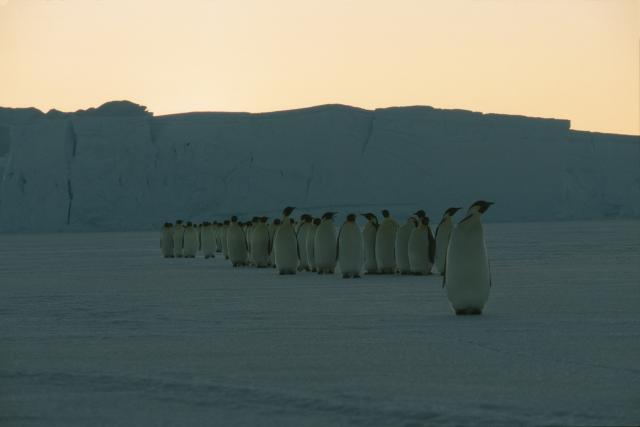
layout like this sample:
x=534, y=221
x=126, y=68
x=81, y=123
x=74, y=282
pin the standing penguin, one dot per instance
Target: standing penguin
x=236, y=243
x=385, y=244
x=208, y=238
x=260, y=243
x=190, y=241
x=369, y=237
x=402, y=246
x=285, y=245
x=178, y=237
x=310, y=244
x=324, y=245
x=305, y=224
x=350, y=248
x=273, y=230
x=443, y=233
x=166, y=240
x=467, y=276
x=223, y=235
x=421, y=247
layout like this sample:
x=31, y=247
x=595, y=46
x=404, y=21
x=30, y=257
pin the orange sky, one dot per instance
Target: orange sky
x=571, y=59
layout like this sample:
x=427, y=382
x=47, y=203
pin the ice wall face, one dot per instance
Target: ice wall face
x=118, y=168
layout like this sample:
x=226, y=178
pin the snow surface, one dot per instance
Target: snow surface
x=98, y=329
x=119, y=168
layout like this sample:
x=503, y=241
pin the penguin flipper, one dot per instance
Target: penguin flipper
x=444, y=273
x=432, y=246
x=489, y=265
x=338, y=243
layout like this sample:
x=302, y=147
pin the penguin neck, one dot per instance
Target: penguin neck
x=471, y=220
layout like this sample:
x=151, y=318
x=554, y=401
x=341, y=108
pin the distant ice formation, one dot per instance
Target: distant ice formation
x=117, y=167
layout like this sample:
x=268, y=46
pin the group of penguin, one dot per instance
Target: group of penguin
x=457, y=251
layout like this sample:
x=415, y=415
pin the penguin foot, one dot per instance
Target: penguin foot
x=346, y=276
x=356, y=276
x=468, y=311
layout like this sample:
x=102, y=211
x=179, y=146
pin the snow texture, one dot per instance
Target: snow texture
x=98, y=329
x=119, y=168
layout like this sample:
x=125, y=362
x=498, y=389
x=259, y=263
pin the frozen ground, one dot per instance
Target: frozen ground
x=97, y=329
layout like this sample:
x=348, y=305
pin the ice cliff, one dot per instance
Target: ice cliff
x=118, y=167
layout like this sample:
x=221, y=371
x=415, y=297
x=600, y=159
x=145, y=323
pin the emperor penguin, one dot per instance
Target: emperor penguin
x=369, y=233
x=325, y=245
x=208, y=238
x=305, y=223
x=166, y=240
x=178, y=237
x=190, y=242
x=467, y=276
x=236, y=243
x=421, y=248
x=385, y=244
x=217, y=228
x=260, y=243
x=402, y=246
x=273, y=229
x=223, y=236
x=310, y=244
x=350, y=248
x=285, y=245
x=443, y=233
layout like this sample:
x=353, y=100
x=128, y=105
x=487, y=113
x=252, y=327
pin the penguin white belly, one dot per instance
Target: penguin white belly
x=385, y=248
x=260, y=245
x=310, y=244
x=190, y=245
x=442, y=244
x=285, y=249
x=236, y=246
x=166, y=243
x=178, y=237
x=467, y=278
x=302, y=246
x=351, y=251
x=325, y=247
x=402, y=248
x=369, y=238
x=208, y=242
x=225, y=244
x=419, y=251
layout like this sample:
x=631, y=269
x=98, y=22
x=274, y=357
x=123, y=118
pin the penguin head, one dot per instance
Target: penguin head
x=305, y=218
x=370, y=217
x=328, y=215
x=451, y=212
x=424, y=220
x=168, y=225
x=276, y=221
x=234, y=219
x=317, y=221
x=420, y=214
x=385, y=213
x=178, y=222
x=264, y=219
x=287, y=211
x=226, y=222
x=413, y=220
x=480, y=206
x=189, y=224
x=351, y=218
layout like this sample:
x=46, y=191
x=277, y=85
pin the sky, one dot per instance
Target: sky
x=569, y=59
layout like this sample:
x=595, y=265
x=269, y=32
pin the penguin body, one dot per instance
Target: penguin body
x=385, y=244
x=402, y=246
x=166, y=240
x=223, y=237
x=421, y=248
x=310, y=244
x=324, y=245
x=260, y=243
x=443, y=234
x=350, y=248
x=190, y=241
x=305, y=224
x=178, y=237
x=285, y=245
x=467, y=277
x=369, y=233
x=236, y=243
x=208, y=240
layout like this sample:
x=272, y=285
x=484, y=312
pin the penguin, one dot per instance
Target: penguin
x=285, y=245
x=310, y=244
x=190, y=241
x=248, y=229
x=324, y=245
x=208, y=238
x=369, y=237
x=223, y=237
x=305, y=223
x=443, y=233
x=178, y=237
x=467, y=274
x=260, y=243
x=402, y=246
x=385, y=244
x=166, y=240
x=218, y=233
x=350, y=248
x=273, y=229
x=236, y=243
x=421, y=248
